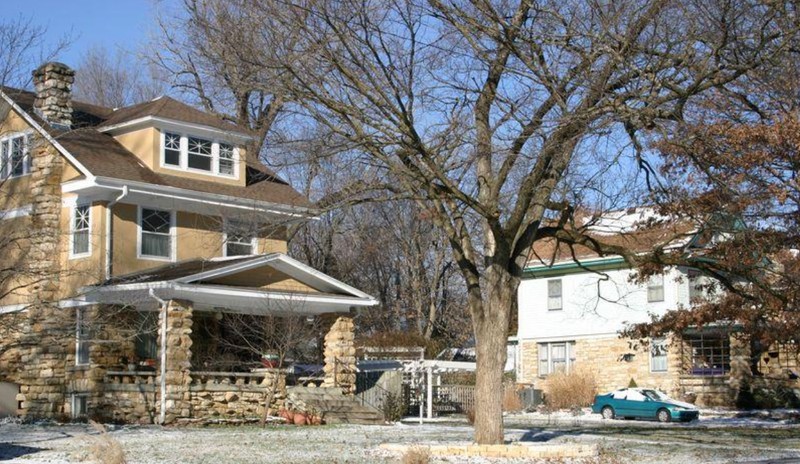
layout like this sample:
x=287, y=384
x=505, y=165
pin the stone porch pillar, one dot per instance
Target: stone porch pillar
x=340, y=353
x=174, y=379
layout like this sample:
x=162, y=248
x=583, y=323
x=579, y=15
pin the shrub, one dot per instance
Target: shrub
x=393, y=407
x=104, y=448
x=567, y=390
x=632, y=384
x=417, y=455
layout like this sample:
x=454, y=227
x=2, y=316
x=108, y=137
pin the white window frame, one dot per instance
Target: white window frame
x=253, y=243
x=172, y=235
x=27, y=163
x=72, y=211
x=651, y=286
x=653, y=343
x=184, y=155
x=569, y=351
x=560, y=296
x=79, y=339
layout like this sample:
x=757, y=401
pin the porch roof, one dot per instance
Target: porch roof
x=226, y=285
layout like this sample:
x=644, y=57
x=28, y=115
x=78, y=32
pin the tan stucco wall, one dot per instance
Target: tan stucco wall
x=79, y=272
x=146, y=145
x=197, y=236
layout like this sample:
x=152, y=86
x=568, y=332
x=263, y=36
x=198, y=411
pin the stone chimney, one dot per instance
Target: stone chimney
x=53, y=83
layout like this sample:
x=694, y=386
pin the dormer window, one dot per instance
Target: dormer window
x=196, y=154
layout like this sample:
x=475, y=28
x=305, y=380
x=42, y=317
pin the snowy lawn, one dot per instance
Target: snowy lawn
x=620, y=442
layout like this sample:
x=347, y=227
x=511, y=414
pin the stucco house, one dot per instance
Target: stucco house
x=572, y=308
x=152, y=216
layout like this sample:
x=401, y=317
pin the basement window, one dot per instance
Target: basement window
x=79, y=406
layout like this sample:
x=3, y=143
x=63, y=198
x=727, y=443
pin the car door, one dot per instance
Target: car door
x=639, y=405
x=621, y=404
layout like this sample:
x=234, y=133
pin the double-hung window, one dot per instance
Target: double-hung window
x=15, y=160
x=81, y=338
x=556, y=357
x=197, y=154
x=172, y=149
x=199, y=151
x=655, y=288
x=240, y=238
x=554, y=300
x=81, y=223
x=156, y=233
x=226, y=159
x=658, y=355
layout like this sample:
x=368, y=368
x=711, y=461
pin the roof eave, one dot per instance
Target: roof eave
x=175, y=125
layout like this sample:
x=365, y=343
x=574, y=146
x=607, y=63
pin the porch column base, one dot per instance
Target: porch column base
x=340, y=354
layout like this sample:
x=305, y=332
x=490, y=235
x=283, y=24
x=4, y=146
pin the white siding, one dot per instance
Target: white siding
x=586, y=315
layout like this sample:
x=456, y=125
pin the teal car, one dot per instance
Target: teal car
x=643, y=403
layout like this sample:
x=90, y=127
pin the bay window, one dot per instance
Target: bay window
x=155, y=233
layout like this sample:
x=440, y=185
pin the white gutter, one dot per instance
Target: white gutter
x=163, y=412
x=174, y=193
x=109, y=229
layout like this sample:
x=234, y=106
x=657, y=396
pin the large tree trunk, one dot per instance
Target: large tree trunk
x=491, y=333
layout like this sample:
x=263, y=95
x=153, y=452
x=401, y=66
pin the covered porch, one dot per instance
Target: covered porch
x=185, y=301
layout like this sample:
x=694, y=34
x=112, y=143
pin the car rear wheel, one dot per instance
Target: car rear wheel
x=663, y=415
x=607, y=412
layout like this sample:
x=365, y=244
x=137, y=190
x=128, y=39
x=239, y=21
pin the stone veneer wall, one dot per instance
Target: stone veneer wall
x=605, y=357
x=340, y=354
x=38, y=362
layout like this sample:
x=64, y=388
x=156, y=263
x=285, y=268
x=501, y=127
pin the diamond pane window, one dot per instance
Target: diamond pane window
x=81, y=221
x=156, y=239
x=172, y=149
x=225, y=159
x=199, y=154
x=239, y=239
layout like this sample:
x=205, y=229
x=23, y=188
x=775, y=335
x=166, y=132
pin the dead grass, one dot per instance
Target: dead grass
x=574, y=389
x=417, y=455
x=104, y=448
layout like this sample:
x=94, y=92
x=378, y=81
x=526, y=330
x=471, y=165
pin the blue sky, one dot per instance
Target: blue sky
x=110, y=23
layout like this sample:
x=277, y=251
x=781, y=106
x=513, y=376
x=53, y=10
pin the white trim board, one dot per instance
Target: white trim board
x=175, y=125
x=16, y=212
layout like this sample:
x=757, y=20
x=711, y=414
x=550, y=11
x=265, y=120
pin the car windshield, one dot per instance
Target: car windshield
x=654, y=395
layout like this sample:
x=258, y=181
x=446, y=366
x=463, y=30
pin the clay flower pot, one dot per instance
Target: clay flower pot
x=315, y=420
x=300, y=418
x=287, y=415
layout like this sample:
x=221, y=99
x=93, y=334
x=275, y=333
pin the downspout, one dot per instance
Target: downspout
x=163, y=413
x=109, y=229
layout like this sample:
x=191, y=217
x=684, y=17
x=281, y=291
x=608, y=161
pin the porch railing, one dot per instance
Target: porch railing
x=210, y=380
x=130, y=377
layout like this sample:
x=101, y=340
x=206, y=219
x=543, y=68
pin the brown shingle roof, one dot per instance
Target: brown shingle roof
x=175, y=270
x=169, y=108
x=103, y=156
x=548, y=251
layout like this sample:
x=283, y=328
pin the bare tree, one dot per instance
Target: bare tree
x=478, y=111
x=116, y=79
x=23, y=47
